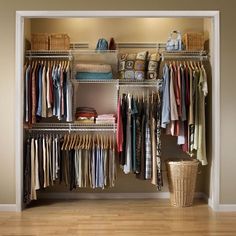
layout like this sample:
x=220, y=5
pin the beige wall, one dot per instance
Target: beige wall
x=228, y=83
x=123, y=30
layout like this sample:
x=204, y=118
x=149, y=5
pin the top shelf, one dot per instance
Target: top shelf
x=184, y=55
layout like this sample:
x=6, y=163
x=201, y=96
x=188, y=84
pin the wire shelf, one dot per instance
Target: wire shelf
x=70, y=127
x=49, y=54
x=111, y=81
x=184, y=55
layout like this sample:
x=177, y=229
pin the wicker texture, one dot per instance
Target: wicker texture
x=193, y=41
x=39, y=41
x=182, y=177
x=59, y=42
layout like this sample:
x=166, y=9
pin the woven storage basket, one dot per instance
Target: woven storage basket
x=182, y=175
x=59, y=42
x=193, y=41
x=39, y=41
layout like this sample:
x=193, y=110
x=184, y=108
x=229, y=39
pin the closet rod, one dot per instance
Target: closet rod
x=71, y=129
x=49, y=56
x=137, y=85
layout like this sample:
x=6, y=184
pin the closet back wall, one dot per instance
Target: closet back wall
x=123, y=30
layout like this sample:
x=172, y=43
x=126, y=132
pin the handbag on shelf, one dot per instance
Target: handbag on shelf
x=102, y=44
x=174, y=42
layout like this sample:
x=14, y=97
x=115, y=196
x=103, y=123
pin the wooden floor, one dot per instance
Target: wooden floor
x=116, y=217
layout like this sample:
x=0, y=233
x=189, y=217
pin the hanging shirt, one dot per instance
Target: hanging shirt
x=69, y=94
x=165, y=119
x=34, y=96
x=44, y=93
x=119, y=133
x=27, y=89
x=128, y=148
x=203, y=90
x=148, y=151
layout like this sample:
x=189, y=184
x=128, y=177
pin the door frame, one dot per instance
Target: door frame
x=214, y=198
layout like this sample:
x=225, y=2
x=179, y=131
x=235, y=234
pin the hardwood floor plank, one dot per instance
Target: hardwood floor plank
x=117, y=217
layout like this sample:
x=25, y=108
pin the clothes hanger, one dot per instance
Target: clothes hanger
x=89, y=141
x=68, y=142
x=80, y=142
x=110, y=137
x=102, y=141
x=106, y=142
x=191, y=64
x=71, y=141
x=86, y=141
x=77, y=141
x=64, y=141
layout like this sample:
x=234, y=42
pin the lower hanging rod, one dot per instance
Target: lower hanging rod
x=71, y=129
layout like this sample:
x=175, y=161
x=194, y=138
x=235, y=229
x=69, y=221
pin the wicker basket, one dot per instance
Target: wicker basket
x=59, y=42
x=193, y=41
x=39, y=41
x=182, y=175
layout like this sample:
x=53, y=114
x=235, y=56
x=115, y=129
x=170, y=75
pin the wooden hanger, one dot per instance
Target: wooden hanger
x=74, y=139
x=79, y=142
x=67, y=141
x=64, y=142
x=86, y=141
x=97, y=140
x=102, y=143
x=110, y=142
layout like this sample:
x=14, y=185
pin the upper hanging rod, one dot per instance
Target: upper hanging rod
x=63, y=54
x=201, y=55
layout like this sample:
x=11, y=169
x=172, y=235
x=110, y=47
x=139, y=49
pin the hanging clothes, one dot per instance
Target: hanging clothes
x=75, y=160
x=184, y=115
x=48, y=91
x=141, y=119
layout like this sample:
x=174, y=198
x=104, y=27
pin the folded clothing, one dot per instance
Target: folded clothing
x=85, y=120
x=83, y=113
x=97, y=68
x=93, y=76
x=106, y=119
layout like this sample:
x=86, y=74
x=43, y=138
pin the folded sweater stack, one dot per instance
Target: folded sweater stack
x=85, y=114
x=106, y=119
x=93, y=72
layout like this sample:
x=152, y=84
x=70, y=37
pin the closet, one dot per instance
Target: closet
x=58, y=129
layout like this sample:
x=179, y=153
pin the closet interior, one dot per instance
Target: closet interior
x=92, y=126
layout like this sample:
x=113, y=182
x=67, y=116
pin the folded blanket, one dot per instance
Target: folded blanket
x=98, y=68
x=93, y=76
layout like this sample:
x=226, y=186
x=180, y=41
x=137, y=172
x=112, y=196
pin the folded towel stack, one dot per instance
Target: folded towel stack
x=85, y=114
x=93, y=72
x=106, y=119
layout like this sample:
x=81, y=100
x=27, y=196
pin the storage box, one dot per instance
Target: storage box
x=193, y=41
x=39, y=41
x=59, y=42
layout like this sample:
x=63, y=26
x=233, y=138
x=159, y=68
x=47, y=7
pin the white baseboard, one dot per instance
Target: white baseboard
x=227, y=207
x=7, y=207
x=76, y=195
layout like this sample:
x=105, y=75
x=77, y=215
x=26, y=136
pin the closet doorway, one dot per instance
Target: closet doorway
x=210, y=21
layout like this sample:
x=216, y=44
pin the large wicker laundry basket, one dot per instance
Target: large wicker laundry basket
x=182, y=175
